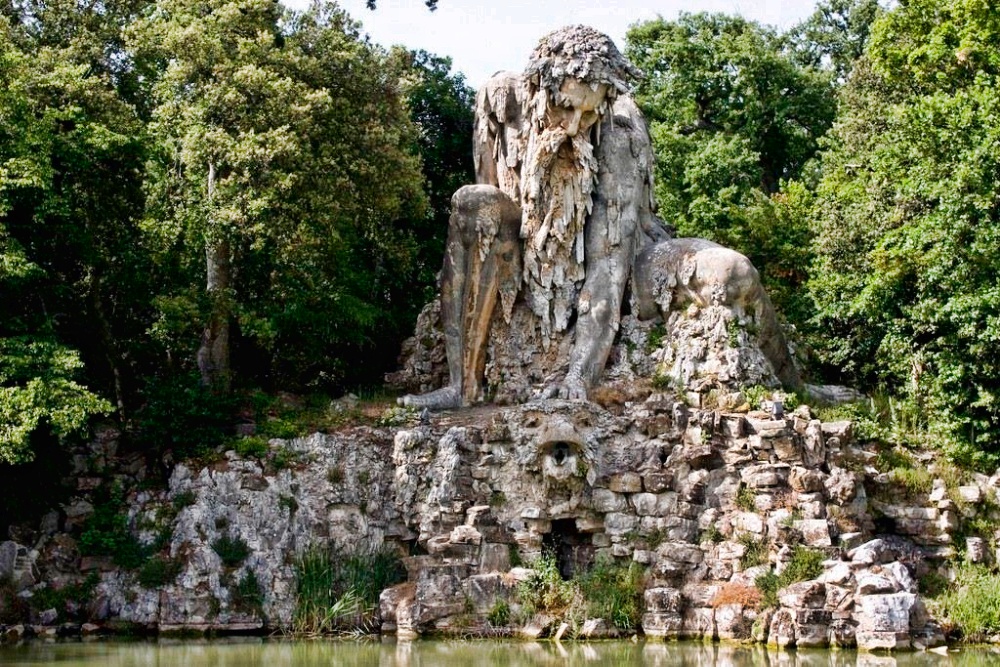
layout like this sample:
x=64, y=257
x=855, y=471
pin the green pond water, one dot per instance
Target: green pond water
x=270, y=653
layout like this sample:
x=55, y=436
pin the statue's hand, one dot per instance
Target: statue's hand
x=571, y=388
x=445, y=398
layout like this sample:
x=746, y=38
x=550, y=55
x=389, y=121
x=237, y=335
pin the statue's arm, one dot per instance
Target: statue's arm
x=622, y=209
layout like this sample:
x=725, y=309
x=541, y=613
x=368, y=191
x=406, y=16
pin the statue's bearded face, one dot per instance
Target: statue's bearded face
x=576, y=107
x=557, y=182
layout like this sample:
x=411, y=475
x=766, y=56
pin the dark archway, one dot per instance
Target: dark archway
x=574, y=551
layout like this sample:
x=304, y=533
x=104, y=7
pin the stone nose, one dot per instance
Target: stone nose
x=572, y=123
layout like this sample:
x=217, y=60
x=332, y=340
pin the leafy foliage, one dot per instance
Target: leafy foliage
x=972, y=602
x=732, y=115
x=232, y=550
x=804, y=565
x=613, y=591
x=337, y=591
x=905, y=277
x=106, y=531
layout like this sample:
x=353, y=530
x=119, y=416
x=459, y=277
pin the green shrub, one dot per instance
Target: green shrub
x=499, y=614
x=56, y=598
x=545, y=590
x=247, y=595
x=232, y=550
x=253, y=447
x=181, y=415
x=805, y=564
x=768, y=586
x=755, y=551
x=106, y=533
x=283, y=457
x=339, y=591
x=972, y=602
x=284, y=429
x=613, y=591
x=157, y=572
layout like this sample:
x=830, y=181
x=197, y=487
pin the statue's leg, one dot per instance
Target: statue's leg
x=621, y=200
x=481, y=230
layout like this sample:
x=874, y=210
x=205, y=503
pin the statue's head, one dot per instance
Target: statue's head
x=573, y=76
x=571, y=81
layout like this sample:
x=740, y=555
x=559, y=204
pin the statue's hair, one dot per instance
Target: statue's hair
x=581, y=52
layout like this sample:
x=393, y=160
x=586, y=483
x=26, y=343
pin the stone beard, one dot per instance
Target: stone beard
x=557, y=187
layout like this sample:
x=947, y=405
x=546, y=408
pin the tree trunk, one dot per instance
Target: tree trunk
x=213, y=354
x=116, y=361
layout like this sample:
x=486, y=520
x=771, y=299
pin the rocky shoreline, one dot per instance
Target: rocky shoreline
x=705, y=502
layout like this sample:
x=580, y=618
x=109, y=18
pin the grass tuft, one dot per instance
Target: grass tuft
x=339, y=592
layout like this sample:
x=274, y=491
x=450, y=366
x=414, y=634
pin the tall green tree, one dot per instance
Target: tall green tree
x=834, y=36
x=49, y=135
x=906, y=276
x=732, y=115
x=287, y=159
x=440, y=104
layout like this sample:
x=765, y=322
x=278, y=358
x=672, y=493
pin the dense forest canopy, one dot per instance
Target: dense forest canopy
x=206, y=196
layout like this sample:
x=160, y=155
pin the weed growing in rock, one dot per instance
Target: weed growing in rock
x=768, y=586
x=613, y=591
x=755, y=551
x=246, y=595
x=338, y=592
x=232, y=550
x=499, y=614
x=184, y=499
x=663, y=382
x=746, y=498
x=546, y=591
x=335, y=475
x=284, y=429
x=288, y=502
x=610, y=590
x=157, y=572
x=654, y=339
x=805, y=564
x=252, y=447
x=712, y=534
x=972, y=603
x=283, y=457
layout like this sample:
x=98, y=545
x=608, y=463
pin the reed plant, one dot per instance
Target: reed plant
x=338, y=592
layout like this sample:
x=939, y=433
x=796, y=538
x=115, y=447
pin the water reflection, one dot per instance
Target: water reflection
x=269, y=653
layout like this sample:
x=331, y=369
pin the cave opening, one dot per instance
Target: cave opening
x=573, y=550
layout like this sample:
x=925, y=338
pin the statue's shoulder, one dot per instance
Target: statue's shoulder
x=627, y=113
x=500, y=96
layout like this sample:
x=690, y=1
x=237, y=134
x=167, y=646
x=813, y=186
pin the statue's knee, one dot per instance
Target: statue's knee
x=470, y=199
x=471, y=202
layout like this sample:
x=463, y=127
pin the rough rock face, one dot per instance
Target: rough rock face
x=706, y=501
x=695, y=350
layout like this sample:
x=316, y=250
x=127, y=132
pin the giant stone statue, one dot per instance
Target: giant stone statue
x=542, y=249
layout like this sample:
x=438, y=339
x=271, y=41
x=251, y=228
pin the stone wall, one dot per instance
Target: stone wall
x=706, y=501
